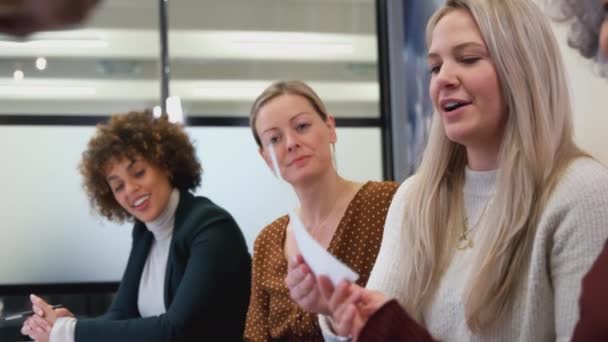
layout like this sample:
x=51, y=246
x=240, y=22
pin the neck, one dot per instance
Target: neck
x=318, y=198
x=483, y=158
x=162, y=226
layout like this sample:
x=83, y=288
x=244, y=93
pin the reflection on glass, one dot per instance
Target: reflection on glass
x=419, y=108
x=221, y=61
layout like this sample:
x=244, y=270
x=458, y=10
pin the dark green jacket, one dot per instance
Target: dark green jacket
x=207, y=283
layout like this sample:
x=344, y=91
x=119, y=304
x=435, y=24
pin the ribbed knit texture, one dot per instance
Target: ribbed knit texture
x=570, y=235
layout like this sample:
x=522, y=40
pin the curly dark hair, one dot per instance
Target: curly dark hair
x=137, y=134
x=586, y=17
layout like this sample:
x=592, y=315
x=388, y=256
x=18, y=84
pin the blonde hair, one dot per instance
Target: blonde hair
x=282, y=88
x=536, y=146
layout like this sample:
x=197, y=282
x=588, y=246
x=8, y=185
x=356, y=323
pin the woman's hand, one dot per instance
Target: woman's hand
x=39, y=326
x=303, y=288
x=350, y=305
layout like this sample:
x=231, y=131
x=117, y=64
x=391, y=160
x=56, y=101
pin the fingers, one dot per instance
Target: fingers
x=295, y=261
x=303, y=288
x=296, y=271
x=301, y=282
x=344, y=325
x=326, y=288
x=352, y=299
x=339, y=296
x=33, y=328
x=40, y=324
x=43, y=309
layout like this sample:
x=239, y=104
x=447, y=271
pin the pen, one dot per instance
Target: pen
x=25, y=313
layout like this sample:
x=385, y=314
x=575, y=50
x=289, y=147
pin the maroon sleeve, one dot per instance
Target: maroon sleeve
x=392, y=323
x=593, y=322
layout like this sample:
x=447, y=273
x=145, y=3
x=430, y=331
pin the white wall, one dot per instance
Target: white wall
x=589, y=93
x=48, y=234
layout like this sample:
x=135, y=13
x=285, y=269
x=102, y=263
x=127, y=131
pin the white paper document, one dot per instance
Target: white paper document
x=320, y=261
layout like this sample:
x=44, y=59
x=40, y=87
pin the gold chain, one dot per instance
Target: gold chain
x=465, y=241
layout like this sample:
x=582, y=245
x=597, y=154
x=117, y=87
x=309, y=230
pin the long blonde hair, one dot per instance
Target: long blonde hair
x=537, y=144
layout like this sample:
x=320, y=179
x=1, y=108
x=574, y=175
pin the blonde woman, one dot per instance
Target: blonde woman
x=491, y=237
x=345, y=217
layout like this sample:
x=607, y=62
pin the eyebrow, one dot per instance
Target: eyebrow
x=290, y=120
x=458, y=48
x=113, y=177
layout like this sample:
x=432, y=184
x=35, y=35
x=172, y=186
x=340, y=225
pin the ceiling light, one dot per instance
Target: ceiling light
x=157, y=112
x=18, y=75
x=74, y=39
x=40, y=63
x=174, y=109
x=30, y=91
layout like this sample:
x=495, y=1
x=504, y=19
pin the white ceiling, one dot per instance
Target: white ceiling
x=114, y=55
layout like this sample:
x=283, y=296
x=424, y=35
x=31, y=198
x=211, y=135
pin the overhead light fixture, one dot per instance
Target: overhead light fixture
x=18, y=75
x=54, y=44
x=229, y=90
x=157, y=112
x=74, y=39
x=290, y=43
x=31, y=91
x=174, y=110
x=40, y=63
x=242, y=90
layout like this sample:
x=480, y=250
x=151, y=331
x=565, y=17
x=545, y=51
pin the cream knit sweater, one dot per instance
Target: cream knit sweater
x=570, y=235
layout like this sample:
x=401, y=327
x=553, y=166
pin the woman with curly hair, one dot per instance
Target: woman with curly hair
x=588, y=28
x=589, y=35
x=188, y=273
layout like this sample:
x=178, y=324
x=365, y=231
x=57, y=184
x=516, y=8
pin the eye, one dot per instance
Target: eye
x=273, y=139
x=118, y=187
x=302, y=127
x=470, y=60
x=140, y=173
x=434, y=69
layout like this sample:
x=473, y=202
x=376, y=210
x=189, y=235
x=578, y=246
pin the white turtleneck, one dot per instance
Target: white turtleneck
x=150, y=300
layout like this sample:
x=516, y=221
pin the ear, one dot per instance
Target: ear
x=331, y=123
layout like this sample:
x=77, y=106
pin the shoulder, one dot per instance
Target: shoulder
x=374, y=190
x=585, y=180
x=396, y=211
x=271, y=235
x=576, y=208
x=403, y=191
x=198, y=214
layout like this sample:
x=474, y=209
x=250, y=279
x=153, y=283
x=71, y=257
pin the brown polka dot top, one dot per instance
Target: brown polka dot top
x=272, y=315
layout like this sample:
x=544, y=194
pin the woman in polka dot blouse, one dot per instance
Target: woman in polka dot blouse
x=345, y=217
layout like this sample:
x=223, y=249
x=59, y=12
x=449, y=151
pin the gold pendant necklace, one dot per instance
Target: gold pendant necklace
x=465, y=240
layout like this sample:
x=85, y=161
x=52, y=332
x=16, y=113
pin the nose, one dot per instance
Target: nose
x=447, y=77
x=291, y=141
x=131, y=187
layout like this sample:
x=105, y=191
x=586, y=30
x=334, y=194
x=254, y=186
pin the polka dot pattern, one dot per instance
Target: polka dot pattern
x=272, y=314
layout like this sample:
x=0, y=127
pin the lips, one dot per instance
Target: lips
x=452, y=104
x=140, y=201
x=298, y=160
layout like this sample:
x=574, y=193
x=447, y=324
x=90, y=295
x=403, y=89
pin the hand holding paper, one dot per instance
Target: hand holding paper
x=320, y=261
